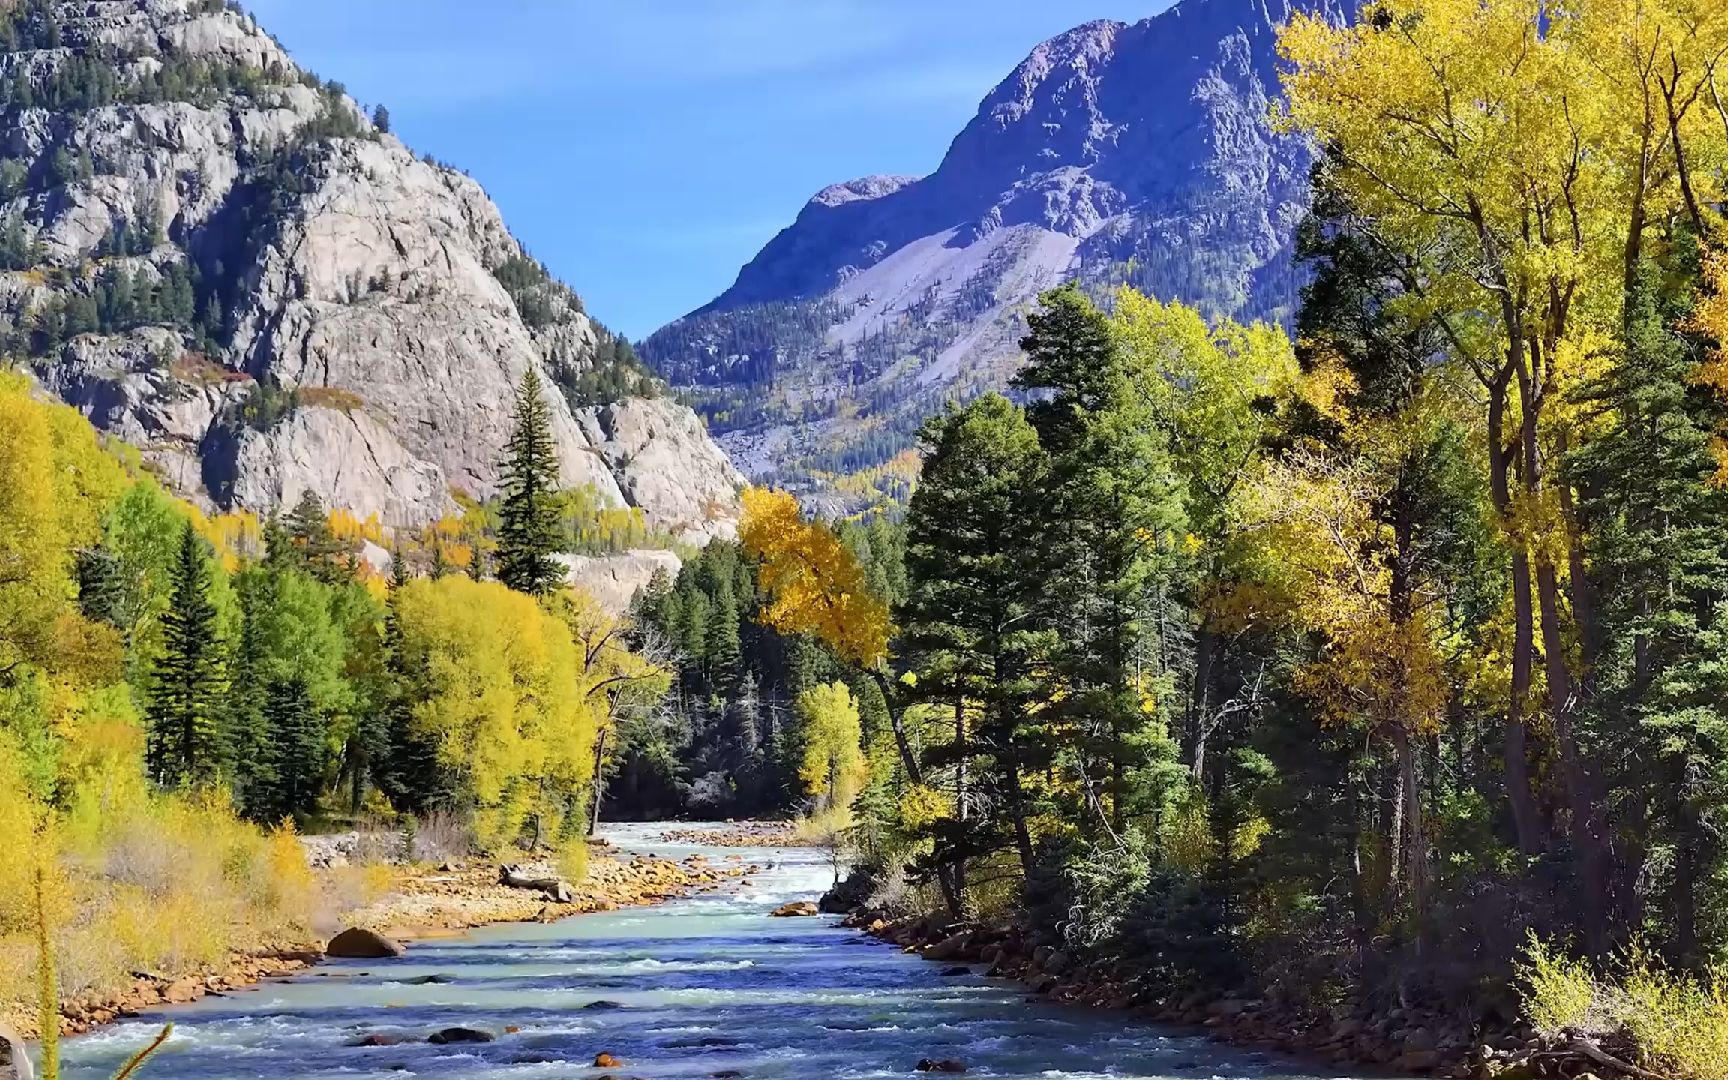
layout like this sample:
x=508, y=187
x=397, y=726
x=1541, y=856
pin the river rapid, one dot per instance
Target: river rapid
x=693, y=988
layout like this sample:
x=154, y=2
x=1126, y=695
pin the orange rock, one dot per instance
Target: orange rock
x=604, y=1060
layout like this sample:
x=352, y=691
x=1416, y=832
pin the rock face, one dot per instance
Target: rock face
x=225, y=262
x=1115, y=153
x=614, y=580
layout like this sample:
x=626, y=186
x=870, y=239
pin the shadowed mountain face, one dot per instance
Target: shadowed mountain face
x=1118, y=154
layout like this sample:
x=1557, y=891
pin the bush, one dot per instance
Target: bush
x=1678, y=1022
x=1561, y=993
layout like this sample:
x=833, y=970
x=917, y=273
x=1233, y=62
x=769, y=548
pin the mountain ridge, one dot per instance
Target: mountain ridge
x=1117, y=153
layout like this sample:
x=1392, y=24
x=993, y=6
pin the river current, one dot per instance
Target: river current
x=693, y=988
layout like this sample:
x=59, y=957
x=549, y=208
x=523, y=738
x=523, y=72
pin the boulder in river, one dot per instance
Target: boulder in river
x=941, y=1065
x=378, y=1039
x=952, y=947
x=357, y=944
x=604, y=1060
x=461, y=1035
x=796, y=909
x=14, y=1062
x=603, y=1004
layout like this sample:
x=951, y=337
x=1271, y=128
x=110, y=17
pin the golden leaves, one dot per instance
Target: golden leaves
x=813, y=583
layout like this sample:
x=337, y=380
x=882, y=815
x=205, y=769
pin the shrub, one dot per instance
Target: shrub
x=1561, y=993
x=1679, y=1023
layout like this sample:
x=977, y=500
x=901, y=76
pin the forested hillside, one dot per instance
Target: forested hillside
x=179, y=692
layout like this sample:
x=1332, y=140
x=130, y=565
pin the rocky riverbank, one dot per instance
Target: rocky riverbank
x=424, y=902
x=1405, y=1039
x=778, y=834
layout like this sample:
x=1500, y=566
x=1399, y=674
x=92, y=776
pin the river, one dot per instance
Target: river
x=696, y=987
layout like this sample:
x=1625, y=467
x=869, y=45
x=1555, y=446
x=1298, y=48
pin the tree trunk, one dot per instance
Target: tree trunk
x=598, y=791
x=1526, y=820
x=897, y=721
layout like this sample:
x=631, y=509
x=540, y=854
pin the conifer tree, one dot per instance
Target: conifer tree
x=319, y=551
x=186, y=684
x=1109, y=509
x=101, y=586
x=971, y=627
x=296, y=747
x=530, y=532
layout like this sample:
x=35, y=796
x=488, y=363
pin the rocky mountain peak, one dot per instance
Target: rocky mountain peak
x=1046, y=114
x=868, y=187
x=1114, y=153
x=224, y=261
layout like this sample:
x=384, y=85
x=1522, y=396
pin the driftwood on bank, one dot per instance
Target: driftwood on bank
x=554, y=889
x=1586, y=1049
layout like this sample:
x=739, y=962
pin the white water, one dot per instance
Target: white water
x=699, y=986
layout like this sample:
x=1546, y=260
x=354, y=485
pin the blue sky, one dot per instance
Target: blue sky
x=646, y=149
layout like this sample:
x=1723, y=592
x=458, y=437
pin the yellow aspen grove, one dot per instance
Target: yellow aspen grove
x=834, y=768
x=1491, y=146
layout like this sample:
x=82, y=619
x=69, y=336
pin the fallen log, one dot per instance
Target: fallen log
x=554, y=889
x=1602, y=1057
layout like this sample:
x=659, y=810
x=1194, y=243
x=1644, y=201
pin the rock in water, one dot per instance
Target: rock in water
x=607, y=1061
x=941, y=1065
x=796, y=909
x=309, y=305
x=358, y=944
x=14, y=1061
x=461, y=1035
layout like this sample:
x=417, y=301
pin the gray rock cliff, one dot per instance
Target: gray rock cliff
x=223, y=261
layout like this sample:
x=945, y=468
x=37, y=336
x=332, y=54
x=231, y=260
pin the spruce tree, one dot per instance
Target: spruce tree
x=297, y=748
x=254, y=773
x=1108, y=509
x=319, y=550
x=971, y=625
x=186, y=684
x=530, y=532
x=101, y=586
x=1655, y=525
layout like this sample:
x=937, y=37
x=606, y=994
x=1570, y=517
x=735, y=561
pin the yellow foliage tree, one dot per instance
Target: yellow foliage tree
x=504, y=699
x=1519, y=158
x=834, y=768
x=813, y=583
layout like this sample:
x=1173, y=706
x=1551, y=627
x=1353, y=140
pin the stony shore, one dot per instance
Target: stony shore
x=1395, y=1040
x=425, y=902
x=777, y=834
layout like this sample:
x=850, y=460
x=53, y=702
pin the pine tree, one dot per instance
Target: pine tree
x=101, y=586
x=297, y=747
x=971, y=625
x=318, y=550
x=186, y=684
x=1109, y=510
x=254, y=764
x=530, y=532
x=408, y=770
x=1655, y=526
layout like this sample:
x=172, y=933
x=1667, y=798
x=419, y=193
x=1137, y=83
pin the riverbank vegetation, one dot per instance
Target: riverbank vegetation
x=1338, y=667
x=179, y=691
